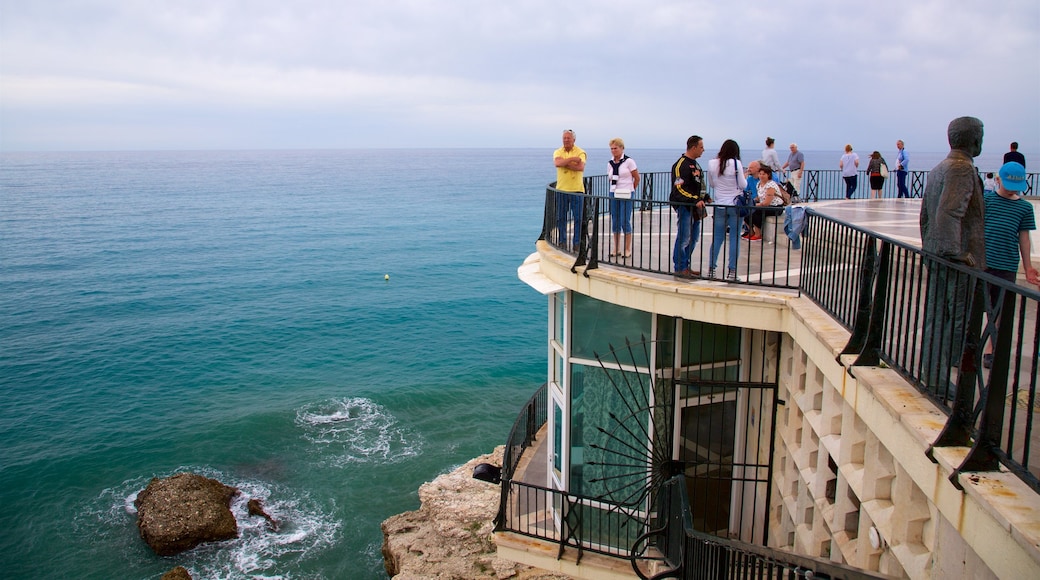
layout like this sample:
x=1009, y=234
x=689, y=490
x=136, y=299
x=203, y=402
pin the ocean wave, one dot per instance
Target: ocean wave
x=304, y=529
x=357, y=430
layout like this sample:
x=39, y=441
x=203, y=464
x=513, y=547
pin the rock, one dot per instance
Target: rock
x=180, y=512
x=256, y=508
x=450, y=535
x=178, y=573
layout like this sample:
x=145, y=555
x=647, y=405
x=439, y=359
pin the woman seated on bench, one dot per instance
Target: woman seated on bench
x=771, y=199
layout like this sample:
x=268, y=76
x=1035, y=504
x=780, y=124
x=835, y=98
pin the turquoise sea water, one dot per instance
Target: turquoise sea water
x=227, y=313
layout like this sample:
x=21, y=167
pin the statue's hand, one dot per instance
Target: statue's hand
x=965, y=258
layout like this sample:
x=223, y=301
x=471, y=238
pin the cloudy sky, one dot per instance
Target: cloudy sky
x=260, y=74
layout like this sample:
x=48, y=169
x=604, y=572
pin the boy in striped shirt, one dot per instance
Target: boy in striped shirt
x=1009, y=219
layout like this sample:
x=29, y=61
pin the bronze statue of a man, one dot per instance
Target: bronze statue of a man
x=952, y=228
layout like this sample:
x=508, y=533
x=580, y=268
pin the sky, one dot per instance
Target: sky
x=302, y=74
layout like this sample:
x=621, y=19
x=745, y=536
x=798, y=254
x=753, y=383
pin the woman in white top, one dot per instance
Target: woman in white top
x=726, y=176
x=849, y=165
x=624, y=179
x=770, y=200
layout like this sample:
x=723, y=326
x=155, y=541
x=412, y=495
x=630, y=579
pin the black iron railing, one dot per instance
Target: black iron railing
x=932, y=321
x=683, y=552
x=582, y=224
x=827, y=184
x=817, y=185
x=576, y=521
x=532, y=416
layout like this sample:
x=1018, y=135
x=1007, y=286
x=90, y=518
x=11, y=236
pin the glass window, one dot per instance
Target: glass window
x=707, y=343
x=559, y=316
x=710, y=352
x=609, y=428
x=557, y=458
x=597, y=325
x=665, y=341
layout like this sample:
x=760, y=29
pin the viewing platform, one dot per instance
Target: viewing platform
x=886, y=420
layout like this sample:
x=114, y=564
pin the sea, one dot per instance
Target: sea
x=324, y=330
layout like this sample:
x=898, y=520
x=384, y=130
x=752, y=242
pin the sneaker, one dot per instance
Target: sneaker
x=755, y=238
x=731, y=276
x=711, y=274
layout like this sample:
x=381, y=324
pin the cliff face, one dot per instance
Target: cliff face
x=450, y=535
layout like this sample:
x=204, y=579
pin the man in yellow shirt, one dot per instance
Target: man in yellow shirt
x=570, y=177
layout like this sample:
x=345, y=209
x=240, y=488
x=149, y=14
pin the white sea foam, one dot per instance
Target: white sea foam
x=304, y=528
x=357, y=430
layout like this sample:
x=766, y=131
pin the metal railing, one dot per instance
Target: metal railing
x=827, y=184
x=581, y=224
x=570, y=520
x=695, y=555
x=532, y=416
x=817, y=185
x=931, y=320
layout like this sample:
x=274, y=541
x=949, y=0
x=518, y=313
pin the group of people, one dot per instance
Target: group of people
x=940, y=214
x=877, y=171
x=726, y=175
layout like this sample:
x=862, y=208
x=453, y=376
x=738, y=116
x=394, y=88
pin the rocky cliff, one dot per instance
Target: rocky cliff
x=450, y=535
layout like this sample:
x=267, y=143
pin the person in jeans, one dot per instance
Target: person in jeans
x=726, y=176
x=624, y=179
x=688, y=199
x=848, y=165
x=570, y=177
x=902, y=166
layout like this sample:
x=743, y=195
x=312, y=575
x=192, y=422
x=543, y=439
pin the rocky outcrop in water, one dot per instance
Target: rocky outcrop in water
x=255, y=507
x=178, y=573
x=450, y=535
x=180, y=512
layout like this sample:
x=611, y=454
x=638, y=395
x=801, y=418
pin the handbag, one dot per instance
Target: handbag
x=743, y=204
x=743, y=201
x=884, y=170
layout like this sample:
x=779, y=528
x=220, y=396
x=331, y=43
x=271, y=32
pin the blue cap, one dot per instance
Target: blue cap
x=1013, y=176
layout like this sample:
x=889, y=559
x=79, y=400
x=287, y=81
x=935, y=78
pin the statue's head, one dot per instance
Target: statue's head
x=965, y=133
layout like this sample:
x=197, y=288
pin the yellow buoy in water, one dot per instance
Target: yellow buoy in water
x=386, y=277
